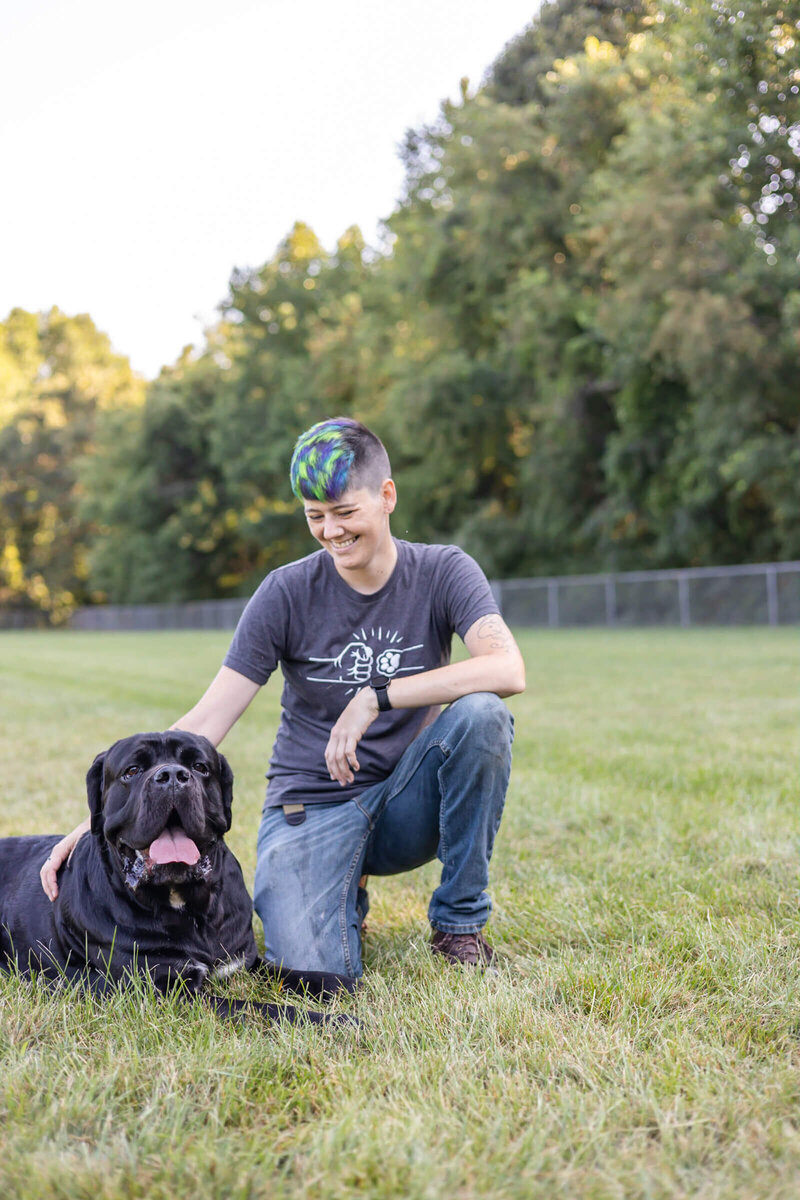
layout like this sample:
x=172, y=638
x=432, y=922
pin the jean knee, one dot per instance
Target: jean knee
x=308, y=925
x=300, y=938
x=484, y=713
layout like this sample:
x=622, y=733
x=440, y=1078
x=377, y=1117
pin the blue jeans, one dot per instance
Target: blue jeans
x=444, y=798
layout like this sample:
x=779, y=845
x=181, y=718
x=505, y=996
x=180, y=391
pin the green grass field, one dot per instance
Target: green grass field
x=642, y=1038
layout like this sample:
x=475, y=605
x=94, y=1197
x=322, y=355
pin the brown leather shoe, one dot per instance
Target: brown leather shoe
x=471, y=949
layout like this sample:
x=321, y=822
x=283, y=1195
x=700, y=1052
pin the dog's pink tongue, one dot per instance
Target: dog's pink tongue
x=174, y=846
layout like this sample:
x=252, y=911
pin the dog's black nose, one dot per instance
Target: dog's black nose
x=170, y=775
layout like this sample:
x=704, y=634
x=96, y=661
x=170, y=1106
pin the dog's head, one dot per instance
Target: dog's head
x=161, y=802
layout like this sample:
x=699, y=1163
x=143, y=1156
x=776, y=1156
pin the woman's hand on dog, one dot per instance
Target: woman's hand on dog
x=58, y=856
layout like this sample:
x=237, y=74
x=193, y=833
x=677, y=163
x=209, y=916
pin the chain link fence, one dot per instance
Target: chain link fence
x=757, y=594
x=22, y=618
x=195, y=614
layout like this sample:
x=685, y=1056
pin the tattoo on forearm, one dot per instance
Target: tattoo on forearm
x=494, y=630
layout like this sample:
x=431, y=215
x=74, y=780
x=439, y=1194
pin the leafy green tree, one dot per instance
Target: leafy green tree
x=485, y=234
x=591, y=245
x=560, y=29
x=191, y=498
x=693, y=309
x=288, y=363
x=164, y=529
x=57, y=375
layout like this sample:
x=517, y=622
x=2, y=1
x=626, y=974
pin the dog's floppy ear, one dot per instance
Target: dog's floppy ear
x=226, y=786
x=94, y=791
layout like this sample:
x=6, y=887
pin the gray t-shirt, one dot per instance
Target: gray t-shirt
x=330, y=640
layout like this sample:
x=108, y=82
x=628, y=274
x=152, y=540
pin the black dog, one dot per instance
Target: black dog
x=154, y=889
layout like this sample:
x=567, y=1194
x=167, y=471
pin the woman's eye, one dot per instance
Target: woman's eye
x=201, y=768
x=129, y=772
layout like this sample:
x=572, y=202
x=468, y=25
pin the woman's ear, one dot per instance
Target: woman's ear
x=388, y=495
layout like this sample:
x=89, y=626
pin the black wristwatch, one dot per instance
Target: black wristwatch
x=379, y=684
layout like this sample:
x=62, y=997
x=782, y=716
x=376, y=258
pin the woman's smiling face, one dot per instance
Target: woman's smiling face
x=354, y=529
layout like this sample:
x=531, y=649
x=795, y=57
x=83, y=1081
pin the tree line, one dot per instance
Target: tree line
x=579, y=339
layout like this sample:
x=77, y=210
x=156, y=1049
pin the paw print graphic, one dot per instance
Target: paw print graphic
x=388, y=661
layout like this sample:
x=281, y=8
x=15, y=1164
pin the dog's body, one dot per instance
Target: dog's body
x=187, y=931
x=153, y=888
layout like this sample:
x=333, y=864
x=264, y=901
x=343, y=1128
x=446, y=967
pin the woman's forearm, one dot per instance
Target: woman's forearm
x=502, y=674
x=220, y=706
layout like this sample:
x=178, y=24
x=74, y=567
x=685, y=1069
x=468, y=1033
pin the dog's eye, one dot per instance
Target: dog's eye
x=130, y=771
x=201, y=769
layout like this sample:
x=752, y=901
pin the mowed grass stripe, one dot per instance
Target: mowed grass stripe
x=641, y=1039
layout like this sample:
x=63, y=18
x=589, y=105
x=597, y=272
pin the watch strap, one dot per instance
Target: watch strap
x=379, y=685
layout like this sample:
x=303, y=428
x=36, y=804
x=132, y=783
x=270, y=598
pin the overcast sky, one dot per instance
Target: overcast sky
x=150, y=147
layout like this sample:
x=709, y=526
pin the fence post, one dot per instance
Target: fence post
x=611, y=600
x=552, y=603
x=773, y=614
x=683, y=601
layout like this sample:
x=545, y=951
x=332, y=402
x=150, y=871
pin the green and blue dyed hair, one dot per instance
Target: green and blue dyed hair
x=335, y=455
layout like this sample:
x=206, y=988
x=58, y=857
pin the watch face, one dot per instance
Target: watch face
x=379, y=685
